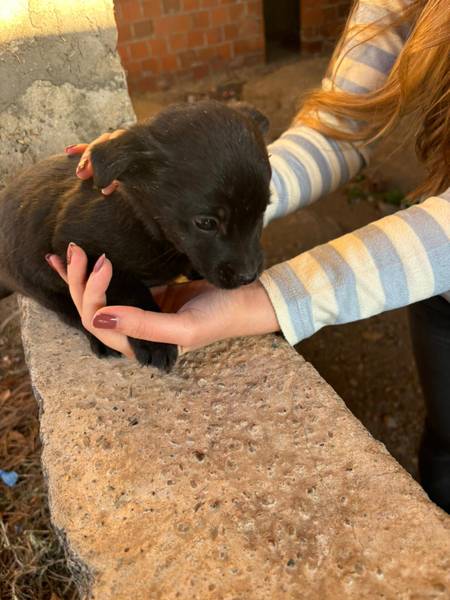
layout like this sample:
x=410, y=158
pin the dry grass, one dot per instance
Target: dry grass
x=32, y=562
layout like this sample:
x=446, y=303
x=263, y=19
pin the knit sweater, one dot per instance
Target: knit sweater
x=393, y=262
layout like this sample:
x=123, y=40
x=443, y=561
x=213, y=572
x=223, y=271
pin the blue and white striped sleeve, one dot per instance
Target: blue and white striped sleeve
x=388, y=264
x=306, y=164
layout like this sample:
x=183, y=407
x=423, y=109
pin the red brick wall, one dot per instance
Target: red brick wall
x=162, y=41
x=321, y=22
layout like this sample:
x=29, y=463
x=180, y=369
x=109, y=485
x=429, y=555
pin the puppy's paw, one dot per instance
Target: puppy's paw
x=99, y=348
x=155, y=354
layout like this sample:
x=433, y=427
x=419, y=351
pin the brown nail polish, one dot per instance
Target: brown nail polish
x=99, y=264
x=70, y=248
x=47, y=258
x=105, y=321
x=82, y=165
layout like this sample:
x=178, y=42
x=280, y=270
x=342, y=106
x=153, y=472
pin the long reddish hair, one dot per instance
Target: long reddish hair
x=418, y=84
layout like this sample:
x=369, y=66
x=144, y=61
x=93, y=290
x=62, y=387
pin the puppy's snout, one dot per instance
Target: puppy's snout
x=246, y=278
x=234, y=276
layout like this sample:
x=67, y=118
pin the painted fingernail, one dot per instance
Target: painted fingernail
x=69, y=148
x=99, y=264
x=82, y=165
x=70, y=248
x=104, y=321
x=48, y=259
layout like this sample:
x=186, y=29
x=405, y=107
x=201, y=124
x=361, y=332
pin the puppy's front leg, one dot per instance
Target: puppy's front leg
x=126, y=290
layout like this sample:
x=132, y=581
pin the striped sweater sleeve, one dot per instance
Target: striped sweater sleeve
x=306, y=164
x=390, y=263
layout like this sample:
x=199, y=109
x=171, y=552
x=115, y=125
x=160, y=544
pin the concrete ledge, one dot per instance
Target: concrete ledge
x=241, y=475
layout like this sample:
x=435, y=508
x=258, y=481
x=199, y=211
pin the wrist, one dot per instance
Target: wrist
x=257, y=313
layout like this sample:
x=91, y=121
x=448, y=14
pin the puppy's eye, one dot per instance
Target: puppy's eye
x=207, y=223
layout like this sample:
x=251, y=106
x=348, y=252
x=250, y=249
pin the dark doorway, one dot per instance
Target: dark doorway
x=282, y=25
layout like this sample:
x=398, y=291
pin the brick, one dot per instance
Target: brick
x=131, y=11
x=219, y=16
x=158, y=46
x=206, y=54
x=138, y=50
x=143, y=29
x=152, y=65
x=134, y=68
x=187, y=59
x=208, y=3
x=151, y=8
x=123, y=53
x=195, y=39
x=214, y=36
x=237, y=12
x=247, y=46
x=169, y=63
x=250, y=27
x=200, y=20
x=178, y=41
x=190, y=5
x=124, y=33
x=171, y=6
x=231, y=31
x=255, y=8
x=200, y=71
x=168, y=24
x=224, y=51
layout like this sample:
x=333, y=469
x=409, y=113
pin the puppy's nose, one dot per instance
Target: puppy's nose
x=246, y=278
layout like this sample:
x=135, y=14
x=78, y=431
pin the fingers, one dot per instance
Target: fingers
x=57, y=265
x=95, y=291
x=145, y=325
x=75, y=149
x=171, y=298
x=110, y=188
x=76, y=274
x=84, y=169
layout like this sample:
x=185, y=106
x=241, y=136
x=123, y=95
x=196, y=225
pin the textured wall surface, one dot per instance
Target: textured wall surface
x=239, y=475
x=61, y=79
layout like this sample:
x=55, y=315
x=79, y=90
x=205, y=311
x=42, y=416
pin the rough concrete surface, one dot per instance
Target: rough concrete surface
x=61, y=79
x=241, y=475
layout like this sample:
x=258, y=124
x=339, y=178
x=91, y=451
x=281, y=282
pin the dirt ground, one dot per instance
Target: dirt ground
x=368, y=363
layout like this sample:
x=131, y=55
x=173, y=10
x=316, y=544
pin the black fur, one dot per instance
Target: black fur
x=190, y=161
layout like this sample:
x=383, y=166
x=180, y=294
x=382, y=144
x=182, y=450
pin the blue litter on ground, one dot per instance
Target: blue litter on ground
x=9, y=477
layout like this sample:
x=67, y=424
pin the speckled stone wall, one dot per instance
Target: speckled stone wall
x=61, y=79
x=241, y=475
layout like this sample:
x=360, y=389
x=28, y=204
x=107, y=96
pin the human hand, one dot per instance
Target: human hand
x=84, y=169
x=193, y=315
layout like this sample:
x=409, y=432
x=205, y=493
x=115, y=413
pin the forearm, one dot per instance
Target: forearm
x=391, y=263
x=307, y=165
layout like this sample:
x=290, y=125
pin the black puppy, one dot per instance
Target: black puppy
x=194, y=184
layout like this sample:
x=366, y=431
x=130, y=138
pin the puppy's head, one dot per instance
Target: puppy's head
x=201, y=172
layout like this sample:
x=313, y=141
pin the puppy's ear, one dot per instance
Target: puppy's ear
x=114, y=158
x=261, y=121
